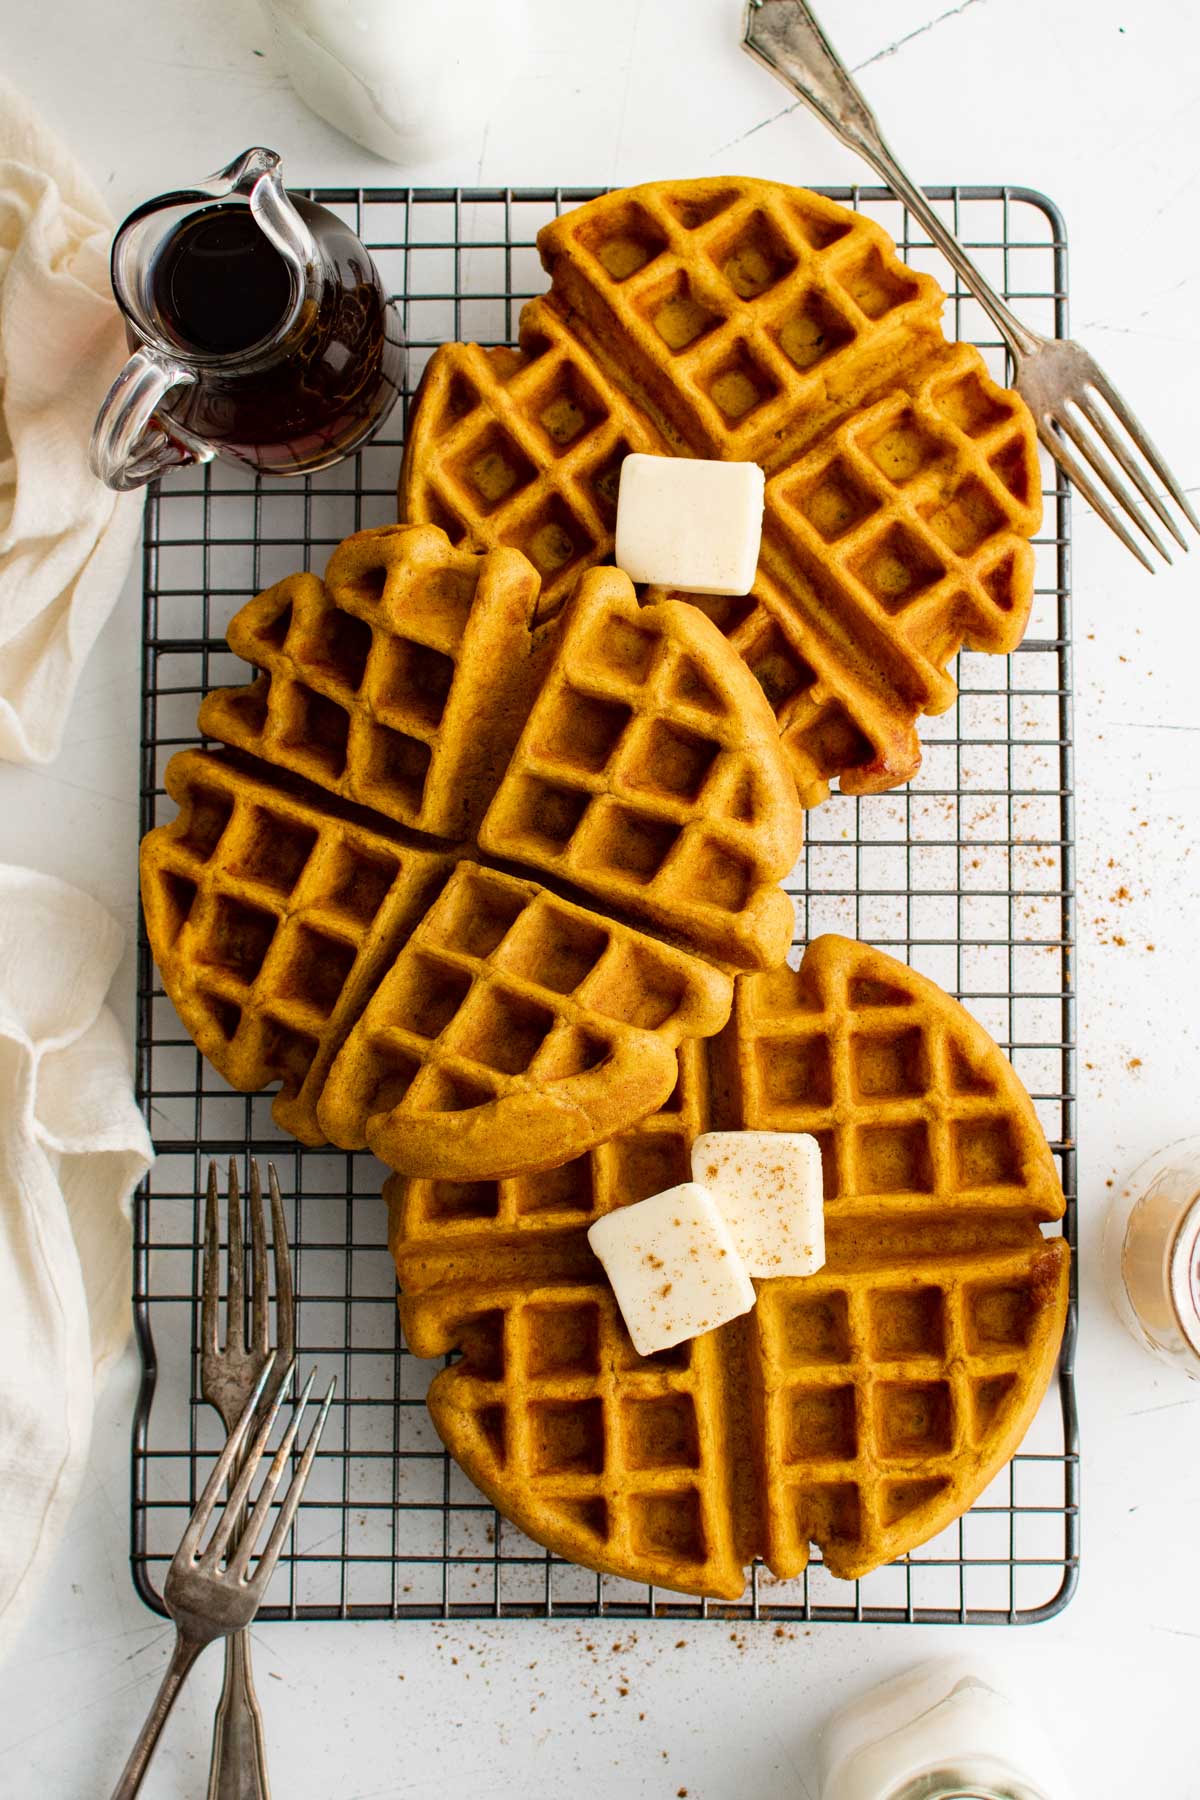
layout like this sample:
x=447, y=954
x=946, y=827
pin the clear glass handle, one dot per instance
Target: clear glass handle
x=129, y=446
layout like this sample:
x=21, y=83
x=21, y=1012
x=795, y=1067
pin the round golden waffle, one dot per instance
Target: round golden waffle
x=459, y=1019
x=861, y=1409
x=743, y=319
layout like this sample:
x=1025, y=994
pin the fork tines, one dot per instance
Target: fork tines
x=217, y=1552
x=235, y=1305
x=1096, y=439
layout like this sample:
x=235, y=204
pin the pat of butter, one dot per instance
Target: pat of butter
x=673, y=1266
x=686, y=523
x=768, y=1186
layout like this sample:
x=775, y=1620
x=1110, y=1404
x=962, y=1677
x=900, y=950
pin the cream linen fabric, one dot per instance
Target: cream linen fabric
x=72, y=1148
x=65, y=539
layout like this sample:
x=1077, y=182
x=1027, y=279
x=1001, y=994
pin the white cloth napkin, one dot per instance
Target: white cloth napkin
x=65, y=539
x=72, y=1148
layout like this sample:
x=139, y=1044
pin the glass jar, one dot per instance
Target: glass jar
x=259, y=330
x=1151, y=1255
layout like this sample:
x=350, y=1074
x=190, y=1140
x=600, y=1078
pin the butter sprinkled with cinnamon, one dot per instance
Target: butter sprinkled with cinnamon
x=673, y=1265
x=768, y=1187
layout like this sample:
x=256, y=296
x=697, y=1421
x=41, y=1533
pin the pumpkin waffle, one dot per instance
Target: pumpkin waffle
x=530, y=444
x=270, y=921
x=739, y=318
x=376, y=682
x=512, y=1031
x=393, y=1017
x=648, y=774
x=861, y=1409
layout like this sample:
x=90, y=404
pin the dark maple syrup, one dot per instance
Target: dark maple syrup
x=219, y=284
x=286, y=382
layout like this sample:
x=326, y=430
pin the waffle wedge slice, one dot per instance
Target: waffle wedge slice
x=900, y=1378
x=380, y=684
x=743, y=319
x=514, y=1031
x=612, y=1460
x=529, y=441
x=861, y=1409
x=743, y=315
x=649, y=775
x=271, y=921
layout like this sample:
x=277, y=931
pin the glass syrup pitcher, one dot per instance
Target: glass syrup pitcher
x=259, y=328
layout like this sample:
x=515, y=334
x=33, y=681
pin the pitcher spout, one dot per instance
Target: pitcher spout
x=258, y=173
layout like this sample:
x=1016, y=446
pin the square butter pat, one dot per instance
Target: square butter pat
x=673, y=1265
x=685, y=523
x=768, y=1186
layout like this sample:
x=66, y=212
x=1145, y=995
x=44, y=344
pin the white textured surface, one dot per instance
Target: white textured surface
x=1095, y=103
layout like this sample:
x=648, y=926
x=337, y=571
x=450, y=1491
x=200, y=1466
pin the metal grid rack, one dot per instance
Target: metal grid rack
x=967, y=873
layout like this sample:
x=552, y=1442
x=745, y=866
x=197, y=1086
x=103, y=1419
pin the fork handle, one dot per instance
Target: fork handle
x=784, y=36
x=182, y=1657
x=239, y=1755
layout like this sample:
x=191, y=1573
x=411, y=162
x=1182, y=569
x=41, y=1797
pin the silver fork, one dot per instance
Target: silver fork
x=210, y=1593
x=229, y=1373
x=1079, y=414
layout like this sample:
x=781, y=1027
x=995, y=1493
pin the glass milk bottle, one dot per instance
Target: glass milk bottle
x=407, y=79
x=943, y=1731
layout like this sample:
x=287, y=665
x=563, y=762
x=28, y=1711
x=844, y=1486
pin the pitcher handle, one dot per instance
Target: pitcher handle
x=129, y=445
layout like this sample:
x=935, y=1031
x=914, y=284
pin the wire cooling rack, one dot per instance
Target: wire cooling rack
x=967, y=874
